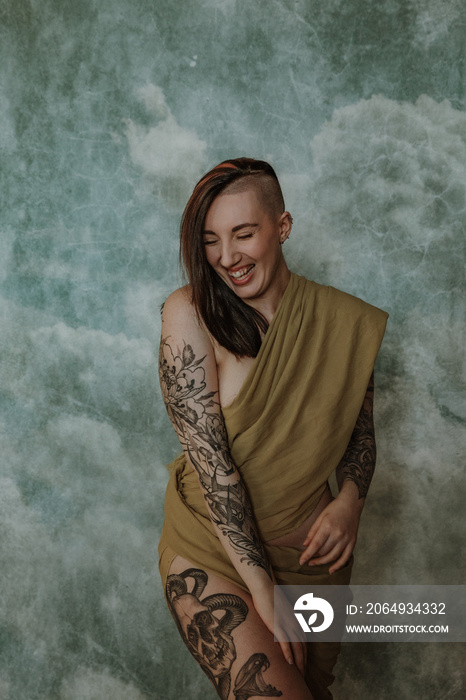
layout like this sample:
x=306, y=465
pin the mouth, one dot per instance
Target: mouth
x=242, y=275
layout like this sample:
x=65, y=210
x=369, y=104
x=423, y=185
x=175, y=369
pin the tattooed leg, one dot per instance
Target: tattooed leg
x=227, y=638
x=249, y=681
x=207, y=636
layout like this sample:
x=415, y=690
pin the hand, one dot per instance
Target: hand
x=285, y=629
x=333, y=535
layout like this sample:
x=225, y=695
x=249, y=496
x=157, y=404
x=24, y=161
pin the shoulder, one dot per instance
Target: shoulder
x=326, y=297
x=178, y=308
x=330, y=302
x=180, y=320
x=348, y=303
x=179, y=300
x=343, y=302
x=356, y=318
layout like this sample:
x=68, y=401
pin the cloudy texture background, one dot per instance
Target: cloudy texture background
x=109, y=112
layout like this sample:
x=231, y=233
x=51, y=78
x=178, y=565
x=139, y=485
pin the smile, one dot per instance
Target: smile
x=241, y=274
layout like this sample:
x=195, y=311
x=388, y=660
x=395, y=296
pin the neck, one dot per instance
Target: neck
x=268, y=303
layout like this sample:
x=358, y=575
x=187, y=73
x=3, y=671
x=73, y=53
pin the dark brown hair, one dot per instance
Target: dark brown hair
x=234, y=324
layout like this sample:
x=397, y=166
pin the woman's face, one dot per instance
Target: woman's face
x=242, y=240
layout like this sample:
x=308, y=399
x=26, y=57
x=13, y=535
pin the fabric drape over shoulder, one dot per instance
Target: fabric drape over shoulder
x=288, y=427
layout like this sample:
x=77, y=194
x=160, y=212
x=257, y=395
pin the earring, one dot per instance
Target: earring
x=286, y=237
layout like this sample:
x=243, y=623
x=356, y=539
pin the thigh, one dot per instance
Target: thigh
x=222, y=630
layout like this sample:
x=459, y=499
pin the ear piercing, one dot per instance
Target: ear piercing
x=291, y=221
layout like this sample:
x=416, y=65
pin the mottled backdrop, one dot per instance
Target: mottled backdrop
x=109, y=112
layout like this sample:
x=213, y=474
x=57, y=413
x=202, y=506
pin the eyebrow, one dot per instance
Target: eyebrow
x=234, y=229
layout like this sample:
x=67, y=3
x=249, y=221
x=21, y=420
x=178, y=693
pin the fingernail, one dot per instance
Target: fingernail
x=290, y=661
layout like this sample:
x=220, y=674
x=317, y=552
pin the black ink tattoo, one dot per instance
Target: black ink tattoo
x=358, y=462
x=198, y=421
x=207, y=635
x=249, y=681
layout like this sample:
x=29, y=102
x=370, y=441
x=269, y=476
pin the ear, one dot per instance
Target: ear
x=285, y=223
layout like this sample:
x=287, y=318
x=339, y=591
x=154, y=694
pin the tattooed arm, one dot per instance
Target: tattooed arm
x=358, y=462
x=189, y=383
x=333, y=535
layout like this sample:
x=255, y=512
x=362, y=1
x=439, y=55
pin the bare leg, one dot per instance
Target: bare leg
x=222, y=630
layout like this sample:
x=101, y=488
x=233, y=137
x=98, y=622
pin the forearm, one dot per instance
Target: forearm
x=199, y=423
x=333, y=534
x=357, y=467
x=232, y=516
x=358, y=463
x=229, y=505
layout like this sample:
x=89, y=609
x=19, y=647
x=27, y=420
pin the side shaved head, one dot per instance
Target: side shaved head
x=267, y=188
x=235, y=325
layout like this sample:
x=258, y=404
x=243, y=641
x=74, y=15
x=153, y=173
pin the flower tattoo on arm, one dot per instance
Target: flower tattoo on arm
x=196, y=415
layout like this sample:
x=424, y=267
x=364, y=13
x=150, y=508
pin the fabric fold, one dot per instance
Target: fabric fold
x=289, y=425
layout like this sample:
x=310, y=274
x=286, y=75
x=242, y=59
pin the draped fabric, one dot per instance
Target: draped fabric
x=288, y=427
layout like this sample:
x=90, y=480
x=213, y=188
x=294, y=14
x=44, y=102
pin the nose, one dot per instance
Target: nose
x=229, y=255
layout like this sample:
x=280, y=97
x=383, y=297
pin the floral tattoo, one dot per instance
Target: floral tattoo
x=198, y=421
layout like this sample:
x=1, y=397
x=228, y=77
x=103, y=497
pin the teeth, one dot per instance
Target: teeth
x=241, y=273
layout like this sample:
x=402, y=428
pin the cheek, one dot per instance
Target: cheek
x=266, y=251
x=209, y=255
x=258, y=250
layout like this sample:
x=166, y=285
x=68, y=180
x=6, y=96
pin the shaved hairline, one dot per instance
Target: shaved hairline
x=267, y=188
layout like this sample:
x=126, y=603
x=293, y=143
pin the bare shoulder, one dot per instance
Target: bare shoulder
x=177, y=302
x=178, y=310
x=186, y=358
x=180, y=322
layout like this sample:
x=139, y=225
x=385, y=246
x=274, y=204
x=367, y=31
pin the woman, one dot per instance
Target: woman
x=267, y=378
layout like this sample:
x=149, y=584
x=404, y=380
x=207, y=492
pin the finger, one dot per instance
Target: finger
x=287, y=651
x=333, y=554
x=322, y=543
x=315, y=527
x=317, y=543
x=299, y=654
x=343, y=559
x=326, y=547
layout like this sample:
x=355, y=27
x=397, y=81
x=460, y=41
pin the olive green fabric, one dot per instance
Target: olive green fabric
x=288, y=427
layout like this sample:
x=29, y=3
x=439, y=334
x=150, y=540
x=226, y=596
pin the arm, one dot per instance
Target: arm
x=189, y=382
x=333, y=535
x=358, y=463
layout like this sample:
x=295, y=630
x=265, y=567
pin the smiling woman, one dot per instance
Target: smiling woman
x=267, y=378
x=243, y=245
x=235, y=325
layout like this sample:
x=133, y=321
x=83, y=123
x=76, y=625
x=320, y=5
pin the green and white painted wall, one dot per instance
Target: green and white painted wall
x=109, y=112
